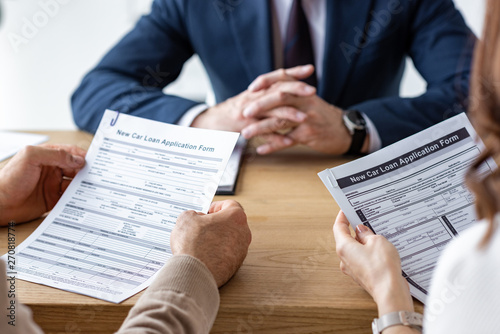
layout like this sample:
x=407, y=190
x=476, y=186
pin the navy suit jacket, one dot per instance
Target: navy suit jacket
x=367, y=42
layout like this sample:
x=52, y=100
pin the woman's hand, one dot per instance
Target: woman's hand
x=34, y=179
x=374, y=263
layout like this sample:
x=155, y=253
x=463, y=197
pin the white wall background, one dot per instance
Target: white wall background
x=46, y=46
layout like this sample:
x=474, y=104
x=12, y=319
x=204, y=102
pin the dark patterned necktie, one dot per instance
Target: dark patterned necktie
x=298, y=46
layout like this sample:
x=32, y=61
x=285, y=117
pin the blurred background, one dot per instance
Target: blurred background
x=46, y=47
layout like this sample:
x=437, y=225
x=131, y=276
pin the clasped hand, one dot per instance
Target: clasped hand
x=284, y=111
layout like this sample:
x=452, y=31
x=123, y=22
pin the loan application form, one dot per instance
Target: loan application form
x=413, y=193
x=110, y=232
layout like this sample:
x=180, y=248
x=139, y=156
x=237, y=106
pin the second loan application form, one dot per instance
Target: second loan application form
x=413, y=193
x=110, y=232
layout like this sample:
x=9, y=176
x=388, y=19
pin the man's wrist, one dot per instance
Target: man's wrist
x=190, y=116
x=202, y=120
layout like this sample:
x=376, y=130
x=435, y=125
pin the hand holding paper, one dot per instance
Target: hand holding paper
x=34, y=180
x=220, y=239
x=413, y=193
x=109, y=234
x=372, y=262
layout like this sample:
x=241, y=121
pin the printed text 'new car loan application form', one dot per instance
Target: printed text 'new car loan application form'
x=413, y=193
x=110, y=232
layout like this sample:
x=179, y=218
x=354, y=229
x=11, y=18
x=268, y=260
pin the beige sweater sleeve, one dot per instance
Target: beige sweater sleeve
x=182, y=299
x=15, y=318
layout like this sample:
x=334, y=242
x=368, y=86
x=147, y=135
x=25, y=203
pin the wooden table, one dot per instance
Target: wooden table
x=290, y=281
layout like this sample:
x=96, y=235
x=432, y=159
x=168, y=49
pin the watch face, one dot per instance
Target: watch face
x=356, y=120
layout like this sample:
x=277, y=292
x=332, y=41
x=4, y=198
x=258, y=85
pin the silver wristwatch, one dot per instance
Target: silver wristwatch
x=405, y=318
x=356, y=125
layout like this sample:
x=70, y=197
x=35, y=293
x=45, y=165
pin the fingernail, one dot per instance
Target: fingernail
x=362, y=229
x=252, y=87
x=305, y=68
x=300, y=117
x=246, y=133
x=309, y=89
x=287, y=141
x=78, y=160
x=249, y=111
x=261, y=150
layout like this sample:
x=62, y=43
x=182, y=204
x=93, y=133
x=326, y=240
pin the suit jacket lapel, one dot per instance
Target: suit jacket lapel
x=251, y=25
x=345, y=21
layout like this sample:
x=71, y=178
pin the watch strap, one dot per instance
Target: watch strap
x=358, y=139
x=356, y=124
x=404, y=318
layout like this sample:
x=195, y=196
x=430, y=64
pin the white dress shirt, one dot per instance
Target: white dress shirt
x=315, y=11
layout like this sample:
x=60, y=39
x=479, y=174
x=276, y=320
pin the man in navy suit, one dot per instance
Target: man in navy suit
x=359, y=50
